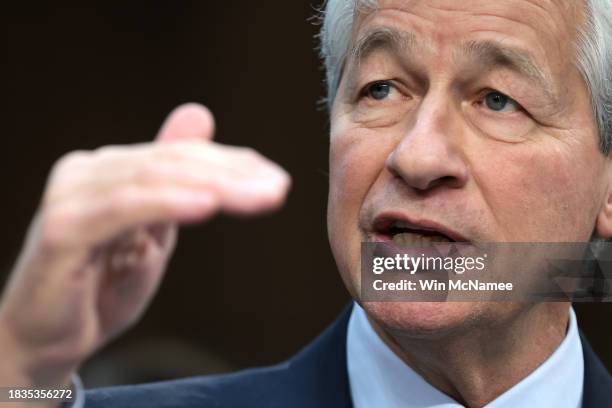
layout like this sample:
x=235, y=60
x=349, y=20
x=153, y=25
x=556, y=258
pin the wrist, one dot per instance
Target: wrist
x=30, y=367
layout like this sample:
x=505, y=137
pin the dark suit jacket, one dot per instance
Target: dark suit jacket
x=316, y=377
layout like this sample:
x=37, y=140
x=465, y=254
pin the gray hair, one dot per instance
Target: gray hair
x=594, y=54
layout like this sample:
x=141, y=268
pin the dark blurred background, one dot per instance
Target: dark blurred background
x=92, y=75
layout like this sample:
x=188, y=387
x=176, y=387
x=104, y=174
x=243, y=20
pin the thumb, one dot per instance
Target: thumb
x=187, y=122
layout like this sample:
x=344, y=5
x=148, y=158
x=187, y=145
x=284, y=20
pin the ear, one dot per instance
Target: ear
x=188, y=122
x=603, y=226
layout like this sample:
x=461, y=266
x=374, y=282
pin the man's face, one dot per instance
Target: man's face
x=466, y=119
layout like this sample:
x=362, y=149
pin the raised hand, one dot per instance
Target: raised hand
x=105, y=229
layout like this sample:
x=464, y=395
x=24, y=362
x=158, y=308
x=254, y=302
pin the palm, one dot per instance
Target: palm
x=131, y=267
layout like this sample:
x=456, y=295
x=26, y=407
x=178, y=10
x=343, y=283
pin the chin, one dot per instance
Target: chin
x=425, y=319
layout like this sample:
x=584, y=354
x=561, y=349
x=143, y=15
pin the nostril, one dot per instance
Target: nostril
x=449, y=181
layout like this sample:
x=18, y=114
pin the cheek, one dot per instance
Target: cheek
x=357, y=157
x=541, y=194
x=356, y=160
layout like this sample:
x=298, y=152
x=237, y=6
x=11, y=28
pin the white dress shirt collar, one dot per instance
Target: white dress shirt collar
x=379, y=378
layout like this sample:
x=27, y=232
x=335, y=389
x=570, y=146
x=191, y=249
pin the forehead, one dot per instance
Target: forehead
x=544, y=28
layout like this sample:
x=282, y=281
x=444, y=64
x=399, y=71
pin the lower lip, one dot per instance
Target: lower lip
x=390, y=249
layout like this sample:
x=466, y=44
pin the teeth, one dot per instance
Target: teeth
x=417, y=240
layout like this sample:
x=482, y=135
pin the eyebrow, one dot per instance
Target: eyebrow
x=491, y=53
x=485, y=53
x=383, y=38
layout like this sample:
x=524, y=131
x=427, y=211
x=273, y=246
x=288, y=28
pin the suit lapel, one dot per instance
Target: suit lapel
x=597, y=391
x=319, y=378
x=318, y=374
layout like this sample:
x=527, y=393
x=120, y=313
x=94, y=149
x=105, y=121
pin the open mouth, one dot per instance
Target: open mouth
x=403, y=232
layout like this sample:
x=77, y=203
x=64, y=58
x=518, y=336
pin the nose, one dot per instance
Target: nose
x=429, y=154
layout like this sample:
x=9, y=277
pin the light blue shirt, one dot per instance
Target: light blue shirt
x=379, y=378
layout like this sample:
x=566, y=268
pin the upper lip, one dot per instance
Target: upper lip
x=384, y=221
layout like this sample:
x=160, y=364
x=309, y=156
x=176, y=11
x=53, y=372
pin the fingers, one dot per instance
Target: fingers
x=92, y=196
x=95, y=196
x=187, y=122
x=77, y=281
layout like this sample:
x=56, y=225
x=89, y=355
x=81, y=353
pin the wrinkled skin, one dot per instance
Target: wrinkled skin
x=430, y=145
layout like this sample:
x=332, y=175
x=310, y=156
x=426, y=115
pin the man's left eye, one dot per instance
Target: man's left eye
x=499, y=102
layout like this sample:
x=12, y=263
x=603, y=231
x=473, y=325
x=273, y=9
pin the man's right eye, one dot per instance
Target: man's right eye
x=378, y=90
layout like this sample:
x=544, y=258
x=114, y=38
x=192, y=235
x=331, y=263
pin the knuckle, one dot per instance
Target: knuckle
x=56, y=224
x=106, y=210
x=107, y=157
x=169, y=151
x=105, y=152
x=118, y=201
x=147, y=173
x=75, y=158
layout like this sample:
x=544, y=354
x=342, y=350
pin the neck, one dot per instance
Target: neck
x=476, y=365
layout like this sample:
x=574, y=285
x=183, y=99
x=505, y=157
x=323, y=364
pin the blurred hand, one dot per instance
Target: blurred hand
x=100, y=241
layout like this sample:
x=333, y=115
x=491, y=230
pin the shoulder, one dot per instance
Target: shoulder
x=244, y=388
x=315, y=377
x=597, y=391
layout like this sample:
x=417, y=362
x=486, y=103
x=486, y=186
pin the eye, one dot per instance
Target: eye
x=499, y=102
x=378, y=90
